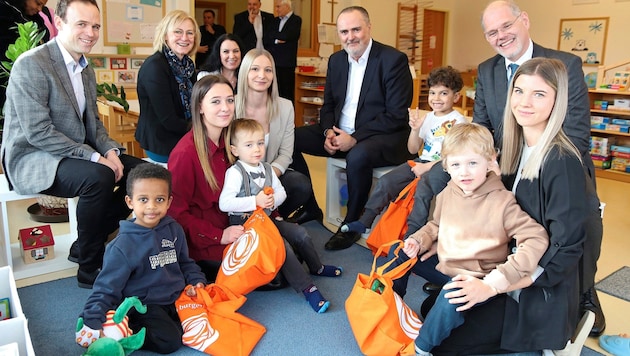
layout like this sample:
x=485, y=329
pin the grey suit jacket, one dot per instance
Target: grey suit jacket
x=43, y=123
x=281, y=136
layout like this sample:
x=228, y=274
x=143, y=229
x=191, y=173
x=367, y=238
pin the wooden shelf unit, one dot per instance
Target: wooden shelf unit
x=621, y=138
x=309, y=97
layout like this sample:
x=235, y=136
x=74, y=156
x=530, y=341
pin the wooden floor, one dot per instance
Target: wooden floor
x=615, y=246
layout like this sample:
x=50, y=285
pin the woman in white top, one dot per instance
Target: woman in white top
x=258, y=99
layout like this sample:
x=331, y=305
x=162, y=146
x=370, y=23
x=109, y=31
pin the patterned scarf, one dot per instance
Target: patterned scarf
x=183, y=71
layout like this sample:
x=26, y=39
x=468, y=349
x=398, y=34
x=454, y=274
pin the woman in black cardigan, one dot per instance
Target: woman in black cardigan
x=544, y=170
x=165, y=85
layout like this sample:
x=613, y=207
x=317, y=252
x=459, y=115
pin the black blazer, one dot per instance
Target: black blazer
x=162, y=120
x=558, y=200
x=386, y=94
x=491, y=94
x=285, y=54
x=245, y=30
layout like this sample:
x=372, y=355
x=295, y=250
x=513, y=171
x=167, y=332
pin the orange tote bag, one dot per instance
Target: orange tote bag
x=381, y=321
x=393, y=224
x=212, y=325
x=254, y=258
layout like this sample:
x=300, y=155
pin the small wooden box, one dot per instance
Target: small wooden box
x=37, y=244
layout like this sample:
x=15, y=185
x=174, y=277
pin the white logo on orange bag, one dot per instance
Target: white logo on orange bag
x=409, y=323
x=198, y=334
x=239, y=252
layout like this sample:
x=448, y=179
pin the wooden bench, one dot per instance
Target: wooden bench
x=11, y=256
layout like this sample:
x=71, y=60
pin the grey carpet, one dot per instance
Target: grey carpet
x=292, y=326
x=616, y=284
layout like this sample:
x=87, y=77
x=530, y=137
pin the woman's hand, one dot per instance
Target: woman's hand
x=231, y=233
x=472, y=291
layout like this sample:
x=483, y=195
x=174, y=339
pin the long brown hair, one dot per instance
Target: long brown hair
x=200, y=132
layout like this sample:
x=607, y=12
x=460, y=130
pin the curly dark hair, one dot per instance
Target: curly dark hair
x=447, y=76
x=148, y=171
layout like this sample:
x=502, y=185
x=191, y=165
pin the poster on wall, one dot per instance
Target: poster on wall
x=585, y=37
x=131, y=21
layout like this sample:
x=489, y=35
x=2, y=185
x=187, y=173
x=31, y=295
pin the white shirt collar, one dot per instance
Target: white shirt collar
x=364, y=57
x=68, y=60
x=525, y=57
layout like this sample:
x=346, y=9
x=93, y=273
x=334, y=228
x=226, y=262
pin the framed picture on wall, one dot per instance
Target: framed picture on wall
x=126, y=76
x=105, y=76
x=136, y=63
x=97, y=62
x=585, y=37
x=118, y=63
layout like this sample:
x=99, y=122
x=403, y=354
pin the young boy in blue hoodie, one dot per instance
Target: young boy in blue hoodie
x=149, y=260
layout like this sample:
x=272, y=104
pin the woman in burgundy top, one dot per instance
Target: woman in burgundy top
x=198, y=164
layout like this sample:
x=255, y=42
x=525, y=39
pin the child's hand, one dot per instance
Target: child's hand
x=265, y=201
x=411, y=248
x=191, y=291
x=415, y=121
x=421, y=168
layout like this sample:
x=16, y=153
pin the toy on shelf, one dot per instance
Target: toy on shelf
x=614, y=77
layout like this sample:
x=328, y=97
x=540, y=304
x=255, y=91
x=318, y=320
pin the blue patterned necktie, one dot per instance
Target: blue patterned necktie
x=513, y=67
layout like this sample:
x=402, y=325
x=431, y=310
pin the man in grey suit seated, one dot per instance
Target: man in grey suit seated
x=54, y=142
x=506, y=28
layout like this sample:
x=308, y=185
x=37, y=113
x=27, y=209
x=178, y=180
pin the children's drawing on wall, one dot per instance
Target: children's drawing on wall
x=586, y=38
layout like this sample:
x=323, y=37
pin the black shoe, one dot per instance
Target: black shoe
x=73, y=255
x=86, y=279
x=431, y=288
x=427, y=304
x=590, y=301
x=278, y=282
x=342, y=240
x=301, y=215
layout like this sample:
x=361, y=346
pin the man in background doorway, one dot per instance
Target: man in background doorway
x=252, y=26
x=210, y=31
x=283, y=45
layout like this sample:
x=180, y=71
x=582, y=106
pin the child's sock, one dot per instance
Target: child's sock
x=329, y=271
x=316, y=299
x=355, y=226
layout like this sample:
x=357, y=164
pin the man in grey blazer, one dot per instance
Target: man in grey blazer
x=54, y=142
x=506, y=28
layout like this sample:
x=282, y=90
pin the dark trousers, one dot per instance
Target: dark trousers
x=387, y=189
x=430, y=185
x=286, y=82
x=299, y=189
x=360, y=161
x=101, y=203
x=163, y=328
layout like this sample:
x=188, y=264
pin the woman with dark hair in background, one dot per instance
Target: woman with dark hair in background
x=225, y=59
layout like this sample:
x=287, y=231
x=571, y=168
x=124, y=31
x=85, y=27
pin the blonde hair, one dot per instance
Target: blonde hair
x=168, y=23
x=240, y=126
x=200, y=132
x=554, y=73
x=470, y=137
x=243, y=85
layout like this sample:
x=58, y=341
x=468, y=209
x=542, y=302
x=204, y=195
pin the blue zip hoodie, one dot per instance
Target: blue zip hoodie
x=151, y=264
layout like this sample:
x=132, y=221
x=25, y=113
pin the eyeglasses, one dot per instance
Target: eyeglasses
x=492, y=34
x=181, y=33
